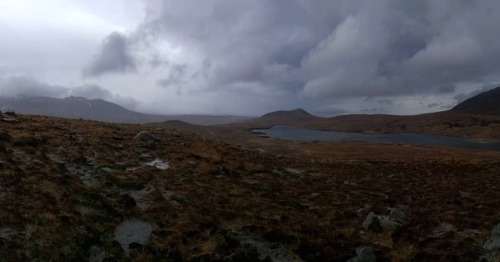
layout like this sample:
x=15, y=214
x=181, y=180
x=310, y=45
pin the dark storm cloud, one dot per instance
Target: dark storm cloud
x=321, y=49
x=114, y=57
x=16, y=85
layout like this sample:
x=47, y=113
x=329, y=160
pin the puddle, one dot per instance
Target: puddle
x=133, y=231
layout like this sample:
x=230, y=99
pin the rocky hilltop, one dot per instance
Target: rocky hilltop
x=76, y=190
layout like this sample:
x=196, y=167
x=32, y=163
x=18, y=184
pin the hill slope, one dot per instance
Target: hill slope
x=487, y=103
x=75, y=190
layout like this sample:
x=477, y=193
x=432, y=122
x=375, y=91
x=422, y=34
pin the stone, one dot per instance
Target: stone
x=387, y=223
x=364, y=254
x=364, y=211
x=97, y=254
x=493, y=243
x=160, y=164
x=369, y=220
x=10, y=119
x=145, y=136
x=107, y=170
x=397, y=214
x=133, y=231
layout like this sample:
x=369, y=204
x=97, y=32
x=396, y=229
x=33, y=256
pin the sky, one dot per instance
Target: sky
x=240, y=57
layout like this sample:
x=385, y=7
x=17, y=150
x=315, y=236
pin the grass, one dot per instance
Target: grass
x=227, y=202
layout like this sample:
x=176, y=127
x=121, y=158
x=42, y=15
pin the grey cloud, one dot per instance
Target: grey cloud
x=91, y=91
x=176, y=76
x=19, y=85
x=25, y=85
x=385, y=102
x=319, y=49
x=433, y=105
x=464, y=96
x=114, y=57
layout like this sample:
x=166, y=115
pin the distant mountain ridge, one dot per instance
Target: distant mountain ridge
x=296, y=117
x=487, y=103
x=100, y=110
x=296, y=113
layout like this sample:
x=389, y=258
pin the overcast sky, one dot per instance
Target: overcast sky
x=245, y=57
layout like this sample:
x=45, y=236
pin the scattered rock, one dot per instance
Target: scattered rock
x=260, y=150
x=174, y=198
x=145, y=136
x=133, y=231
x=160, y=164
x=364, y=254
x=283, y=255
x=493, y=243
x=443, y=229
x=370, y=220
x=10, y=119
x=387, y=223
x=97, y=254
x=397, y=214
x=364, y=211
x=107, y=170
x=293, y=171
x=374, y=222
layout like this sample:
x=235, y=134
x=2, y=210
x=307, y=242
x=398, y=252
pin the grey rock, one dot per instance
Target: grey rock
x=364, y=254
x=364, y=211
x=97, y=254
x=397, y=214
x=10, y=119
x=293, y=171
x=133, y=231
x=369, y=220
x=496, y=231
x=107, y=170
x=159, y=164
x=387, y=223
x=145, y=136
x=493, y=243
x=283, y=255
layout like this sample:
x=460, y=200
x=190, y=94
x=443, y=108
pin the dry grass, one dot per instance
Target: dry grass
x=219, y=201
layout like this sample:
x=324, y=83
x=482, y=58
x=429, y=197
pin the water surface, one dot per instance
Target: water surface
x=302, y=134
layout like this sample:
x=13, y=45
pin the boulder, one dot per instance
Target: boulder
x=145, y=136
x=493, y=243
x=364, y=254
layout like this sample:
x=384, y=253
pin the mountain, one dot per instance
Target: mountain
x=100, y=110
x=296, y=113
x=487, y=103
x=296, y=117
